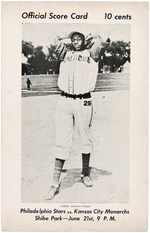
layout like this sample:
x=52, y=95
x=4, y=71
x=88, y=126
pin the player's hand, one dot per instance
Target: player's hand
x=89, y=37
x=92, y=36
x=57, y=39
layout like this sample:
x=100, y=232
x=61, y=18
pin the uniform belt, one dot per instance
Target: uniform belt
x=80, y=96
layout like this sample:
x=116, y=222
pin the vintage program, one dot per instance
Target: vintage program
x=74, y=116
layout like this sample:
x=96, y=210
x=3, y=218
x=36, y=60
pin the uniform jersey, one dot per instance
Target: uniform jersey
x=78, y=72
x=78, y=69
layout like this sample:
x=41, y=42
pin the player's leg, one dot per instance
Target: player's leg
x=54, y=189
x=85, y=164
x=84, y=119
x=64, y=130
x=85, y=175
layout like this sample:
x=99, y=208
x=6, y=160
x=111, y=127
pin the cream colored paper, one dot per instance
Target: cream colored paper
x=16, y=194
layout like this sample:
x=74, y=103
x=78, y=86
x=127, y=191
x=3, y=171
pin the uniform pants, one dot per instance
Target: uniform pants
x=68, y=112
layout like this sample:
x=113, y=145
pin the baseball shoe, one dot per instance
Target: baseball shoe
x=52, y=192
x=86, y=181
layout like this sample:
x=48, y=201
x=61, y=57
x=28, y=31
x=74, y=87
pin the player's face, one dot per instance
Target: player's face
x=77, y=41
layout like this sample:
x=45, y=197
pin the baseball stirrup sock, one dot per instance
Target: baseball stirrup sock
x=57, y=170
x=85, y=164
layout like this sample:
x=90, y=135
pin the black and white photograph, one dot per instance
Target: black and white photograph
x=75, y=113
x=74, y=106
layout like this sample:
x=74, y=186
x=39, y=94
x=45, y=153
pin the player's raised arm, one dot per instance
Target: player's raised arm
x=99, y=46
x=62, y=46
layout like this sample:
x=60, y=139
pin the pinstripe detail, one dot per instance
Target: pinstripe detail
x=91, y=115
x=73, y=84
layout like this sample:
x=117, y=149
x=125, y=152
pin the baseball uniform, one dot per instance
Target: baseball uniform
x=77, y=78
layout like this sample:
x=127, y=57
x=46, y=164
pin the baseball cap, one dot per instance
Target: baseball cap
x=76, y=32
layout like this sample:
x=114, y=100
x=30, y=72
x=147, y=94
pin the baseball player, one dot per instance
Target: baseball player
x=77, y=78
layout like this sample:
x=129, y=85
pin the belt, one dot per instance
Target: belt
x=80, y=96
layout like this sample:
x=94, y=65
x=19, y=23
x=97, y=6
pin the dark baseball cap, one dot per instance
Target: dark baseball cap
x=75, y=32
